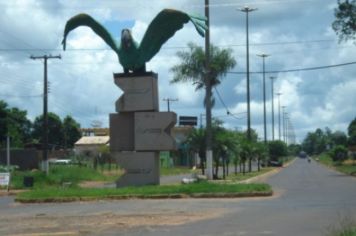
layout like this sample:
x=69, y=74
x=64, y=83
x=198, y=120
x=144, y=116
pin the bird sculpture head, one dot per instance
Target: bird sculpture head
x=126, y=39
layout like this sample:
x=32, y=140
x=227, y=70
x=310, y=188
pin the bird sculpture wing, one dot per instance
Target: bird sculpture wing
x=163, y=27
x=86, y=20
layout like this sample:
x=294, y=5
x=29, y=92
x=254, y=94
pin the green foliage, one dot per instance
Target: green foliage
x=339, y=154
x=277, y=149
x=294, y=149
x=351, y=130
x=192, y=66
x=72, y=194
x=71, y=130
x=13, y=122
x=345, y=20
x=58, y=175
x=55, y=130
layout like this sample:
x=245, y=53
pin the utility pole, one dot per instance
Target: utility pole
x=283, y=123
x=272, y=92
x=264, y=96
x=247, y=9
x=45, y=110
x=8, y=152
x=208, y=92
x=279, y=115
x=168, y=100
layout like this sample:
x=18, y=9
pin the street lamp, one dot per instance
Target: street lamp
x=246, y=9
x=279, y=115
x=272, y=81
x=264, y=95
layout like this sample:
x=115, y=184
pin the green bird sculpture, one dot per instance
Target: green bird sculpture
x=133, y=57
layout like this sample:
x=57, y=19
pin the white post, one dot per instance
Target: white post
x=209, y=164
x=8, y=152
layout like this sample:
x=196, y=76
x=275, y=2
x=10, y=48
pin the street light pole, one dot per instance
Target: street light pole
x=272, y=92
x=279, y=115
x=264, y=96
x=208, y=92
x=247, y=9
x=283, y=123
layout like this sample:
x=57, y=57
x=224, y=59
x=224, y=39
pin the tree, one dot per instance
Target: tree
x=339, y=154
x=196, y=142
x=351, y=131
x=193, y=69
x=260, y=151
x=277, y=149
x=19, y=127
x=315, y=143
x=55, y=130
x=13, y=122
x=71, y=131
x=345, y=22
x=192, y=66
x=339, y=138
x=3, y=121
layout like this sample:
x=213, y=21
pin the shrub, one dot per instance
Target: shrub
x=338, y=154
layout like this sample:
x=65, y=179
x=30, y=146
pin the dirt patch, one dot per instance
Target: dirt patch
x=96, y=223
x=93, y=184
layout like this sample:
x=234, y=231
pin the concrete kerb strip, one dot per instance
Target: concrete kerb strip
x=260, y=178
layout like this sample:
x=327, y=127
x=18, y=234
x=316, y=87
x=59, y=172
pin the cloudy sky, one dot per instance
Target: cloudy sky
x=296, y=33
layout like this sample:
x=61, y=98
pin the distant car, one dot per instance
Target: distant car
x=275, y=163
x=61, y=161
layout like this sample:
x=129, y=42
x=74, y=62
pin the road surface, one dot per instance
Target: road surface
x=308, y=200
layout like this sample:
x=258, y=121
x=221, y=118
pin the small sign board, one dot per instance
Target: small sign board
x=188, y=120
x=4, y=179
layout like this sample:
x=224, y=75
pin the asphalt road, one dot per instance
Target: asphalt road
x=308, y=200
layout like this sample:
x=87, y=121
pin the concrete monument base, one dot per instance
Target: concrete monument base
x=141, y=168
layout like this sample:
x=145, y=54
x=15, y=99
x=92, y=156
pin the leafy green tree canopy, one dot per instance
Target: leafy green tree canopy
x=13, y=122
x=351, y=131
x=192, y=65
x=71, y=130
x=345, y=20
x=277, y=149
x=55, y=130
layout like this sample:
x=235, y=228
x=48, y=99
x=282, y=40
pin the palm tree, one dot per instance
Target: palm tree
x=192, y=66
x=196, y=141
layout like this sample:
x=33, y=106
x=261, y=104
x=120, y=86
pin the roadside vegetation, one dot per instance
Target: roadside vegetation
x=335, y=149
x=200, y=189
x=347, y=166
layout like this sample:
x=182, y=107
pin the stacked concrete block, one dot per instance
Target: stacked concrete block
x=139, y=131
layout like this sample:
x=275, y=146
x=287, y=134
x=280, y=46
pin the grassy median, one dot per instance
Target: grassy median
x=197, y=190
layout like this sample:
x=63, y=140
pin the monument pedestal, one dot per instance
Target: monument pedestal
x=139, y=131
x=141, y=168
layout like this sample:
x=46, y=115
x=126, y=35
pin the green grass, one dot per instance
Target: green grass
x=76, y=193
x=176, y=171
x=247, y=175
x=348, y=169
x=58, y=175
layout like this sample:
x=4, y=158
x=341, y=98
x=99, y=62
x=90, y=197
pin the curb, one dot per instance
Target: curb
x=266, y=175
x=170, y=196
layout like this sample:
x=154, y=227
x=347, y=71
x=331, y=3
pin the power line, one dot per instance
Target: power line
x=227, y=109
x=296, y=70
x=173, y=47
x=21, y=96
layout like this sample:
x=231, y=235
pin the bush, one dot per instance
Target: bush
x=338, y=154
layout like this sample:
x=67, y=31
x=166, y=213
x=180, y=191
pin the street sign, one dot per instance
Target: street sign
x=4, y=179
x=188, y=120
